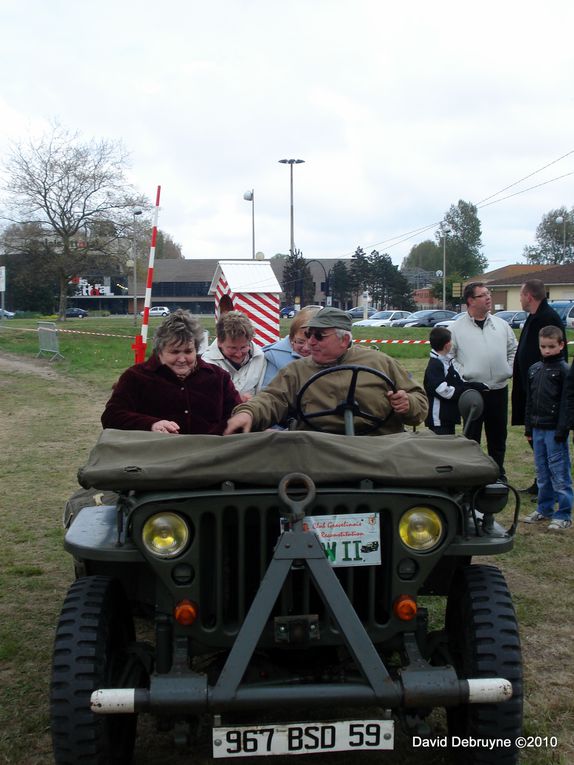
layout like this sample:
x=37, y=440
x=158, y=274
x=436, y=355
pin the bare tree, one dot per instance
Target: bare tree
x=76, y=192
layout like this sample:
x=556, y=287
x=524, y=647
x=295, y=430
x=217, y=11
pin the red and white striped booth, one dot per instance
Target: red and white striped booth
x=252, y=287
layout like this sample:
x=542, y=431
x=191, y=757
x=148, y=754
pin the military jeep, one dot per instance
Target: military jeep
x=286, y=576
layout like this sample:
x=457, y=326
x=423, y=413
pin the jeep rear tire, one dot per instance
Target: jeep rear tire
x=484, y=642
x=91, y=651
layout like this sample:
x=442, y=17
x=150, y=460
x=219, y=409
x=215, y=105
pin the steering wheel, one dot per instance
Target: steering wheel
x=349, y=408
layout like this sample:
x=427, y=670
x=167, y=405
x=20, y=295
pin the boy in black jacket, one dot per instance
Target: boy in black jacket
x=443, y=385
x=546, y=424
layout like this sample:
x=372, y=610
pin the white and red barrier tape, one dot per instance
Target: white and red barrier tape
x=379, y=341
x=69, y=331
x=394, y=342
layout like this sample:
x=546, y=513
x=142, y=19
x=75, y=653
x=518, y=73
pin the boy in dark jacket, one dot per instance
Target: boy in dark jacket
x=546, y=424
x=443, y=385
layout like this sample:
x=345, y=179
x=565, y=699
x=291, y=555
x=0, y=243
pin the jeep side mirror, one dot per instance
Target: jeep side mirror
x=470, y=406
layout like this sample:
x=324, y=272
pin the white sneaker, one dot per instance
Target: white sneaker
x=535, y=517
x=559, y=525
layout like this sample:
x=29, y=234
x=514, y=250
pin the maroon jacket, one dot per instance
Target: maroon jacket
x=148, y=392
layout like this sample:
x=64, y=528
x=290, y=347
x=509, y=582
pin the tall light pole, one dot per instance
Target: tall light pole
x=134, y=259
x=562, y=219
x=249, y=196
x=446, y=229
x=292, y=162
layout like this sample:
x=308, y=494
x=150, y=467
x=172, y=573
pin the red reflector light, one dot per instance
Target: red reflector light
x=405, y=608
x=185, y=612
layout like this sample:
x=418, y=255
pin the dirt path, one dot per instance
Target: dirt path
x=40, y=367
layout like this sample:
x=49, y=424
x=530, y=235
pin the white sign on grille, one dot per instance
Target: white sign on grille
x=348, y=540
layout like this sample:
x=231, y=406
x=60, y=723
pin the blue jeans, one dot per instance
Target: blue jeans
x=552, y=462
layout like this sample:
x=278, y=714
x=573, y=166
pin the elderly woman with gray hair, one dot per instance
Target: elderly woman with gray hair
x=174, y=391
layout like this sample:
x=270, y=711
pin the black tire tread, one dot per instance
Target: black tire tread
x=485, y=642
x=87, y=623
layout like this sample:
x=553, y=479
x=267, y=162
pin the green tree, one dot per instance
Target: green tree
x=32, y=276
x=359, y=273
x=380, y=277
x=387, y=285
x=76, y=191
x=340, y=284
x=463, y=240
x=426, y=256
x=554, y=239
x=297, y=281
x=451, y=302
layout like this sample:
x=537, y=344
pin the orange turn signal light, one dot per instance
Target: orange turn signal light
x=185, y=612
x=405, y=608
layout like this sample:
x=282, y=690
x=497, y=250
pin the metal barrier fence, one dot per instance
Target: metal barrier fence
x=48, y=339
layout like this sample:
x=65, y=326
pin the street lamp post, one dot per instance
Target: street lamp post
x=445, y=230
x=292, y=162
x=134, y=259
x=249, y=196
x=562, y=219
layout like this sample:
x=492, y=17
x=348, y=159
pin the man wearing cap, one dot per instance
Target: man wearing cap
x=330, y=342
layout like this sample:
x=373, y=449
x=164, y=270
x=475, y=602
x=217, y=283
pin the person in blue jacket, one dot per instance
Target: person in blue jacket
x=290, y=347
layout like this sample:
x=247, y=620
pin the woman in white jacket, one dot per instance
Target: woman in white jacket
x=234, y=350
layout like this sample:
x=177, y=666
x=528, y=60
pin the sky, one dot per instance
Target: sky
x=397, y=109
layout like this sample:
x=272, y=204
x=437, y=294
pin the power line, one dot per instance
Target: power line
x=400, y=238
x=523, y=191
x=526, y=177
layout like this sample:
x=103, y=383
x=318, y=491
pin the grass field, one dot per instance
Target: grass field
x=50, y=419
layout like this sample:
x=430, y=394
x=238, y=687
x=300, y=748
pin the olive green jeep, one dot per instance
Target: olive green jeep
x=286, y=576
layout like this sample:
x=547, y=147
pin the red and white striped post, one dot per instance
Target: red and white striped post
x=140, y=343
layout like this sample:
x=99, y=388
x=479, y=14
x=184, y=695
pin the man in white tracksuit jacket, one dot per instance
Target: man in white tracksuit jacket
x=483, y=348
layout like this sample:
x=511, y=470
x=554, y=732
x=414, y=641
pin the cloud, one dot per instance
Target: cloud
x=398, y=112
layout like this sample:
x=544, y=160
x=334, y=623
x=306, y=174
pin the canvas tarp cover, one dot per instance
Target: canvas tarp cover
x=144, y=461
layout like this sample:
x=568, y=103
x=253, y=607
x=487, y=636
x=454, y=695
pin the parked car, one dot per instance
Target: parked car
x=4, y=314
x=358, y=312
x=269, y=601
x=514, y=318
x=427, y=318
x=564, y=309
x=158, y=310
x=382, y=319
x=76, y=313
x=448, y=322
x=287, y=312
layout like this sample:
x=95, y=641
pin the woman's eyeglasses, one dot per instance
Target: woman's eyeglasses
x=318, y=334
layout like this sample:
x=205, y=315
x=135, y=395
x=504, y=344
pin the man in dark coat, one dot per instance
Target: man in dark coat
x=540, y=314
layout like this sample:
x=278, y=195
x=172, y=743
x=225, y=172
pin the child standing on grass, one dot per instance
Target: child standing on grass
x=443, y=385
x=546, y=424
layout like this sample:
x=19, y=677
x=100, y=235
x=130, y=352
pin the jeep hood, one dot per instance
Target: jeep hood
x=124, y=460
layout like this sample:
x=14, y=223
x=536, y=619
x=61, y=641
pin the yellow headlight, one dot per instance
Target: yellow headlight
x=165, y=535
x=420, y=528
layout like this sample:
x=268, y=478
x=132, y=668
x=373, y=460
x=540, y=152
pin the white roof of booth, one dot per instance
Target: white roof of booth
x=246, y=276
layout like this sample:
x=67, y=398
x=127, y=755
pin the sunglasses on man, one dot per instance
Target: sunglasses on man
x=318, y=334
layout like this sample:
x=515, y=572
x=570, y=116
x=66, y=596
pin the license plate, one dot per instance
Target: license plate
x=302, y=738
